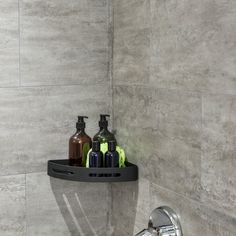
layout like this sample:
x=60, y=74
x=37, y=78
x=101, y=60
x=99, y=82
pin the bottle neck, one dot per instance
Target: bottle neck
x=112, y=149
x=104, y=128
x=79, y=130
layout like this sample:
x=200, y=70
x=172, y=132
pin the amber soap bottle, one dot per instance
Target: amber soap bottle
x=79, y=144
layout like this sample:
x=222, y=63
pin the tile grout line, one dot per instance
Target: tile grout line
x=19, y=45
x=145, y=86
x=111, y=46
x=201, y=151
x=51, y=85
x=26, y=218
x=25, y=173
x=150, y=86
x=110, y=77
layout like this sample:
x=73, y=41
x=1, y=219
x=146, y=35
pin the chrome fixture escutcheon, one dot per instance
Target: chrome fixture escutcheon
x=163, y=221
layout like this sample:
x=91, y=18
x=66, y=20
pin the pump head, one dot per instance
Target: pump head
x=103, y=123
x=81, y=124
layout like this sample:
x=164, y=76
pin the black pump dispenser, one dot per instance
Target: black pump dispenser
x=81, y=124
x=103, y=123
x=104, y=135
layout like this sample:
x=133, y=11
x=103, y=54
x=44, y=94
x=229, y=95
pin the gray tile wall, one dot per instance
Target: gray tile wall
x=54, y=60
x=174, y=98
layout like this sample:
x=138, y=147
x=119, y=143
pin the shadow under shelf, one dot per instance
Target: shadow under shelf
x=61, y=169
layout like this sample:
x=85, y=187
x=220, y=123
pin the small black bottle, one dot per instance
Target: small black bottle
x=112, y=156
x=96, y=156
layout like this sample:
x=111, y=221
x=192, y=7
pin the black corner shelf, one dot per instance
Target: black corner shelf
x=61, y=169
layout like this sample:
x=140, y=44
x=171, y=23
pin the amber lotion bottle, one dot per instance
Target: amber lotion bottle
x=79, y=144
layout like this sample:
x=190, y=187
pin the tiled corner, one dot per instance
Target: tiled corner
x=124, y=207
x=132, y=216
x=36, y=123
x=63, y=42
x=59, y=207
x=168, y=55
x=131, y=41
x=219, y=152
x=12, y=207
x=160, y=130
x=9, y=44
x=193, y=45
x=143, y=205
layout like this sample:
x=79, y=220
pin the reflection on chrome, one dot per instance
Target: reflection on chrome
x=163, y=221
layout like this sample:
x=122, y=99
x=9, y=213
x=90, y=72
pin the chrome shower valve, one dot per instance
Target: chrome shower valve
x=163, y=221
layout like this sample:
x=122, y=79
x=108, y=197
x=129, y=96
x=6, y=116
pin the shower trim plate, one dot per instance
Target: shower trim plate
x=163, y=221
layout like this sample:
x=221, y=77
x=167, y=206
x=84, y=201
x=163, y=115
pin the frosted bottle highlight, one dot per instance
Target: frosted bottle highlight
x=79, y=144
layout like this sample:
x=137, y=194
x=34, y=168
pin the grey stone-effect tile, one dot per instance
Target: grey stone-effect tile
x=64, y=42
x=143, y=205
x=219, y=152
x=196, y=219
x=12, y=205
x=124, y=205
x=193, y=45
x=36, y=123
x=160, y=131
x=131, y=41
x=9, y=44
x=59, y=207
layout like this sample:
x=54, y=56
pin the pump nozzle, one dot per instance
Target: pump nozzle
x=103, y=116
x=81, y=124
x=81, y=118
x=103, y=123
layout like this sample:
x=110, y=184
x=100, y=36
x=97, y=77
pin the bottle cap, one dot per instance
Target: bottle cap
x=112, y=145
x=103, y=123
x=96, y=146
x=81, y=124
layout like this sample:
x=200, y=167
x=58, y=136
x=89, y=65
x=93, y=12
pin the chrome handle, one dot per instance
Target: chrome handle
x=147, y=232
x=163, y=221
x=167, y=231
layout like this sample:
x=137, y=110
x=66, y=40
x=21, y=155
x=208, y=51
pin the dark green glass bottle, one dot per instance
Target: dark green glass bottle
x=104, y=135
